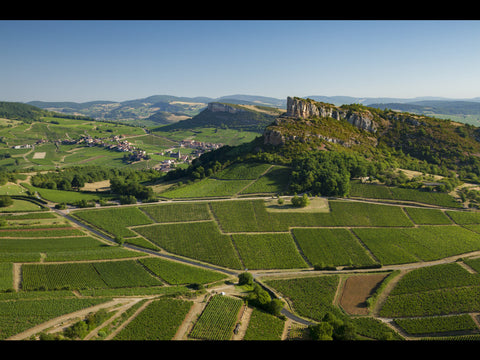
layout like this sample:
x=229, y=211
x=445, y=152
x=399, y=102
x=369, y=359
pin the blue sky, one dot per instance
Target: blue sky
x=122, y=60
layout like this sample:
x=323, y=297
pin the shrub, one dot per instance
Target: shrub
x=245, y=279
x=127, y=199
x=300, y=201
x=5, y=201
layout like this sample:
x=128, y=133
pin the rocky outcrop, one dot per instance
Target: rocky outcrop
x=362, y=120
x=303, y=122
x=305, y=108
x=221, y=107
x=302, y=108
x=273, y=137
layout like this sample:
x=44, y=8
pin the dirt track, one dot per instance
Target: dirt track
x=58, y=321
x=351, y=297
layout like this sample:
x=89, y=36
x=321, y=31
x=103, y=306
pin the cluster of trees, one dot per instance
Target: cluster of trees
x=393, y=177
x=81, y=328
x=6, y=177
x=300, y=201
x=333, y=328
x=327, y=173
x=259, y=297
x=123, y=181
x=130, y=190
x=471, y=196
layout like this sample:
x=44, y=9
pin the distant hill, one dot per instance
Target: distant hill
x=226, y=115
x=166, y=109
x=159, y=109
x=369, y=101
x=20, y=111
x=152, y=110
x=432, y=107
x=385, y=138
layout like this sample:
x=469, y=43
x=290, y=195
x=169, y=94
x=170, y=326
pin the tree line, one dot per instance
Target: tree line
x=123, y=181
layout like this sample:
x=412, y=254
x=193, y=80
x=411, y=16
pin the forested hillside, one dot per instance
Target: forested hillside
x=392, y=140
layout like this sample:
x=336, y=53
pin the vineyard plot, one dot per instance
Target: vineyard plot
x=163, y=213
x=175, y=273
x=424, y=243
x=268, y=251
x=218, y=320
x=436, y=290
x=18, y=316
x=158, y=321
x=331, y=247
x=92, y=275
x=197, y=240
x=115, y=221
x=58, y=249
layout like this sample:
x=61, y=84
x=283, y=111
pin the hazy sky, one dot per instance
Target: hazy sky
x=122, y=60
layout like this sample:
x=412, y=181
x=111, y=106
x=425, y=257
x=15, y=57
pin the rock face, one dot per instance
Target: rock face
x=301, y=108
x=220, y=107
x=273, y=137
x=297, y=116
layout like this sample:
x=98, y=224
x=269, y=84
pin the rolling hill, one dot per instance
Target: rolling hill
x=417, y=247
x=360, y=139
x=232, y=116
x=167, y=109
x=152, y=110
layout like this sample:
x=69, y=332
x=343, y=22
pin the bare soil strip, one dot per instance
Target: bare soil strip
x=356, y=291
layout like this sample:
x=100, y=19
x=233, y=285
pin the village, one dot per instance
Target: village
x=198, y=147
x=119, y=143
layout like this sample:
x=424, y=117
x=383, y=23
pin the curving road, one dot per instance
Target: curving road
x=260, y=274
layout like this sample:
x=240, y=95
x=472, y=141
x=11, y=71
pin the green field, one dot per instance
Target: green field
x=218, y=319
x=384, y=262
x=331, y=247
x=237, y=179
x=159, y=321
x=425, y=243
x=305, y=256
x=115, y=221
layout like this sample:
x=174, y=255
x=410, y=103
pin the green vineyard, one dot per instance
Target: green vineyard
x=161, y=255
x=218, y=319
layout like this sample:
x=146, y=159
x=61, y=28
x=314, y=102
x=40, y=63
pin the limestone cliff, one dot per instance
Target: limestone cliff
x=216, y=107
x=306, y=119
x=305, y=108
x=231, y=116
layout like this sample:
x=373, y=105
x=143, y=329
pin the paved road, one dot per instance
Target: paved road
x=257, y=274
x=172, y=257
x=148, y=251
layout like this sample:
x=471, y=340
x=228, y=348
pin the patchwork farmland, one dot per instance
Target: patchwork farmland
x=170, y=270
